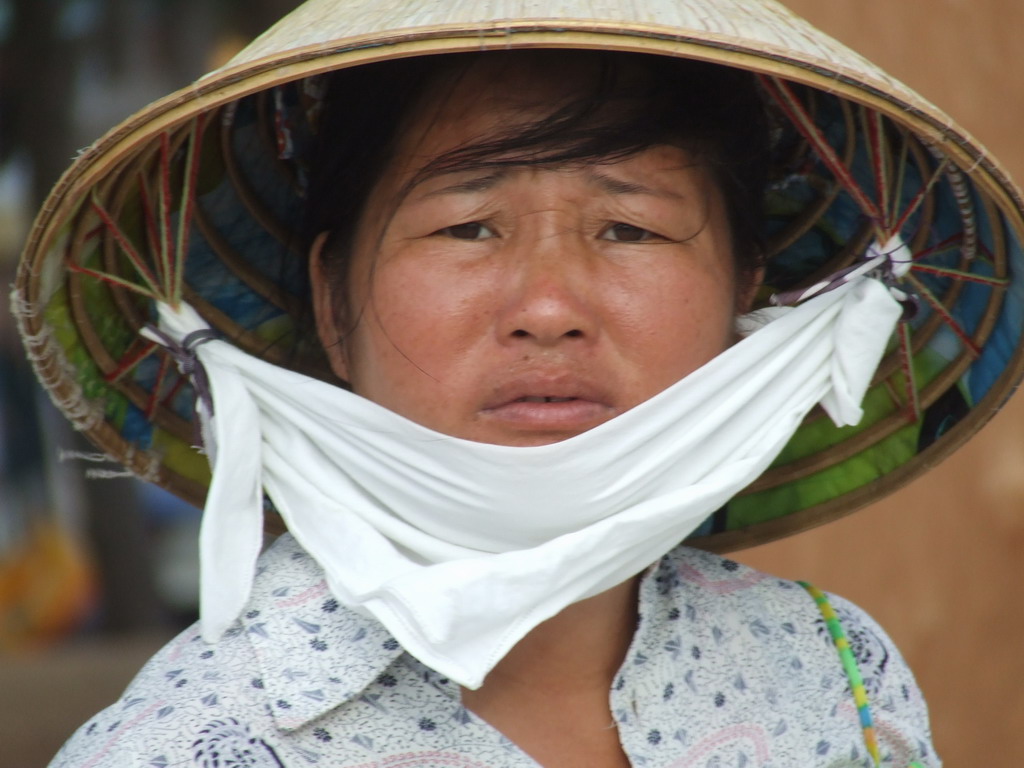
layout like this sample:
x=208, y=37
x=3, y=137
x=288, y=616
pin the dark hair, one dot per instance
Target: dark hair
x=636, y=101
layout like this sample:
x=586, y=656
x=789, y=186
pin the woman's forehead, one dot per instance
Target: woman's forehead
x=663, y=172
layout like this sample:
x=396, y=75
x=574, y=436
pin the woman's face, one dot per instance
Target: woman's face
x=525, y=305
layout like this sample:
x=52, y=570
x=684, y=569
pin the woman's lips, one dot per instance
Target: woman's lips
x=554, y=413
x=546, y=399
x=565, y=408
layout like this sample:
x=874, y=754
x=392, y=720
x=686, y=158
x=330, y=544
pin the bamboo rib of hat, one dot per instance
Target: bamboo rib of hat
x=191, y=200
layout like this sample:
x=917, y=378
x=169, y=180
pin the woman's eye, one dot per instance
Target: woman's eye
x=471, y=230
x=627, y=233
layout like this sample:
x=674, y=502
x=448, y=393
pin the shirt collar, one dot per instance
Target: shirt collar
x=313, y=653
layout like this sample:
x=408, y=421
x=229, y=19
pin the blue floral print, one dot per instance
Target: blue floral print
x=728, y=667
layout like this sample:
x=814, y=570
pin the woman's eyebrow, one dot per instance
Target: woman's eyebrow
x=620, y=187
x=475, y=184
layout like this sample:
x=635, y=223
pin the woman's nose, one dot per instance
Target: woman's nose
x=548, y=296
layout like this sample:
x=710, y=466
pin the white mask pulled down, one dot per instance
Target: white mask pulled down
x=460, y=548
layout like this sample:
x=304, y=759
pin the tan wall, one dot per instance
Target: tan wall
x=938, y=563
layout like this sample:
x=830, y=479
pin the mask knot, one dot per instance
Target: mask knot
x=887, y=263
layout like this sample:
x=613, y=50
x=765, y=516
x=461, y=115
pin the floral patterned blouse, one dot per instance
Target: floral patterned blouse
x=728, y=667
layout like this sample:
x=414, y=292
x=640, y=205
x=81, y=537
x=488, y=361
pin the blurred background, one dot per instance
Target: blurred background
x=96, y=574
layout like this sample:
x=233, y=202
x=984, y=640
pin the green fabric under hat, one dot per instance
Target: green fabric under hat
x=191, y=200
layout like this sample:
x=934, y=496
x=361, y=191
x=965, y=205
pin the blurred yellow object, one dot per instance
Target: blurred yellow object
x=225, y=49
x=48, y=587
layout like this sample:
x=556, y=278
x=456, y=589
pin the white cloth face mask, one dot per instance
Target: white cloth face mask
x=460, y=548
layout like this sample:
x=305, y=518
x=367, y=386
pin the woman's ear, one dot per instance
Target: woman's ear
x=328, y=326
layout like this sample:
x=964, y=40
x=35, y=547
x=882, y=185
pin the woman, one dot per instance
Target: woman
x=539, y=279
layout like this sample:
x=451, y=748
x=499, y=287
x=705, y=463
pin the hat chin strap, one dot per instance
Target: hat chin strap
x=460, y=548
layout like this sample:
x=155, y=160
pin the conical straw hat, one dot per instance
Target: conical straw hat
x=187, y=198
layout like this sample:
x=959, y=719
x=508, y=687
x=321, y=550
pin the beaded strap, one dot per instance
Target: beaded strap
x=860, y=694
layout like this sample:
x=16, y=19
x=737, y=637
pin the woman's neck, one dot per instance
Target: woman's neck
x=550, y=694
x=584, y=644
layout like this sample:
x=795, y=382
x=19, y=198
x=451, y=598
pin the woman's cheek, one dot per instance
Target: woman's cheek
x=431, y=316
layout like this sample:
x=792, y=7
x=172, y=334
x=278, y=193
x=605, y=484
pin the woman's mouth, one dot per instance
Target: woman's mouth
x=545, y=399
x=555, y=417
